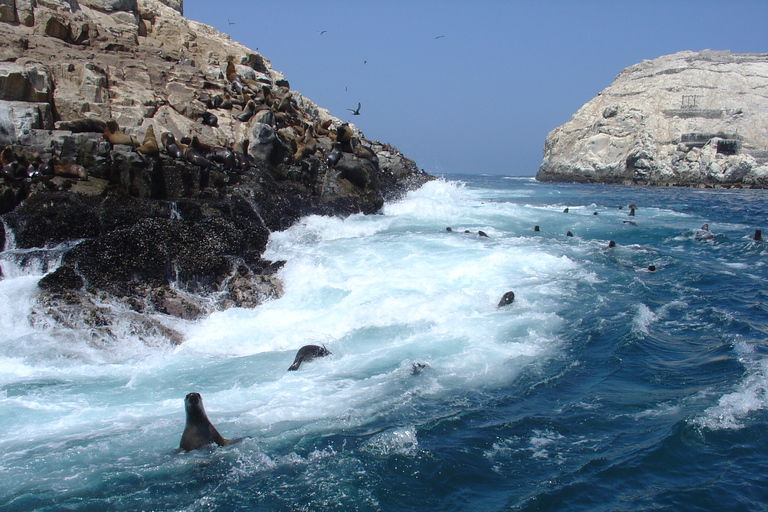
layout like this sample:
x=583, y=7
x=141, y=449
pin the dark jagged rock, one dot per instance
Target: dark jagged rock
x=157, y=232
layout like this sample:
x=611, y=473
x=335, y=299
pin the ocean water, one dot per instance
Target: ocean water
x=603, y=386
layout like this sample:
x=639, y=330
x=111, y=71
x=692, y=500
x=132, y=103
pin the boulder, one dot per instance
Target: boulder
x=658, y=124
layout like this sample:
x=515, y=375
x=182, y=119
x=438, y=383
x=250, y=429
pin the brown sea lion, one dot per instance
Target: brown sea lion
x=113, y=134
x=70, y=171
x=199, y=431
x=149, y=146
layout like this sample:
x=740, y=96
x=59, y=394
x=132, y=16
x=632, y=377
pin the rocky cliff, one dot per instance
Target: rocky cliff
x=154, y=156
x=690, y=119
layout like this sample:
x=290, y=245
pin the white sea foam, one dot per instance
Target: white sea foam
x=750, y=395
x=643, y=319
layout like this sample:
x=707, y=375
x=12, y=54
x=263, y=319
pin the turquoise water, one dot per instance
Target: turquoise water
x=604, y=386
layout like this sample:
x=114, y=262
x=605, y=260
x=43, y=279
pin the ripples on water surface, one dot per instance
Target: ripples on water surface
x=604, y=386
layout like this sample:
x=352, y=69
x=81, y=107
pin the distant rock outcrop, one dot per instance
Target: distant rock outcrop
x=160, y=154
x=688, y=119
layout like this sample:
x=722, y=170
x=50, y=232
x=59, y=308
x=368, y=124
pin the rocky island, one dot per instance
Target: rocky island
x=152, y=156
x=690, y=119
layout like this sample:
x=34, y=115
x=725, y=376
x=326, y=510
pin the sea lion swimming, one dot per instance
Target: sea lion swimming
x=308, y=353
x=506, y=299
x=482, y=234
x=758, y=236
x=198, y=431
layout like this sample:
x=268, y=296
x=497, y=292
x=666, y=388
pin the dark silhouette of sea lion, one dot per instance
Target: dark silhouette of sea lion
x=448, y=229
x=565, y=211
x=506, y=299
x=758, y=235
x=652, y=268
x=171, y=146
x=611, y=243
x=335, y=155
x=536, y=228
x=631, y=212
x=482, y=234
x=308, y=353
x=198, y=431
x=569, y=234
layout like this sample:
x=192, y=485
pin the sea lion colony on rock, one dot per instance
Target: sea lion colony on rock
x=299, y=138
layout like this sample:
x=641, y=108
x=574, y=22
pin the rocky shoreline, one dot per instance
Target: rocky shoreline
x=155, y=156
x=694, y=119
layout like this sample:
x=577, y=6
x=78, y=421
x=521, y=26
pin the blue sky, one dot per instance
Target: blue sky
x=481, y=98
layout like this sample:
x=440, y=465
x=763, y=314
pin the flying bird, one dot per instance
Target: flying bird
x=230, y=22
x=321, y=32
x=355, y=112
x=438, y=37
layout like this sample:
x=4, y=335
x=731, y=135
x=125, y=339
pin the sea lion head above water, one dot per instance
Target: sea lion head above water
x=308, y=353
x=198, y=431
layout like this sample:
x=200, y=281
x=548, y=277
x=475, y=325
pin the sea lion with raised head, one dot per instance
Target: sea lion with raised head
x=199, y=431
x=149, y=145
x=308, y=353
x=113, y=134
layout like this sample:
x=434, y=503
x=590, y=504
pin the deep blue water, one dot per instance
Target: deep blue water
x=603, y=386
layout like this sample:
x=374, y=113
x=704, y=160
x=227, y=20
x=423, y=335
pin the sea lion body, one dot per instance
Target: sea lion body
x=115, y=136
x=308, y=353
x=149, y=145
x=506, y=299
x=199, y=431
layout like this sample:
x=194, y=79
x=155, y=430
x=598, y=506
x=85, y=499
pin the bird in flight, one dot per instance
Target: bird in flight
x=230, y=22
x=438, y=37
x=355, y=112
x=322, y=32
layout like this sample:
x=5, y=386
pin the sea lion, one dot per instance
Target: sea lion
x=247, y=113
x=482, y=234
x=335, y=155
x=308, y=353
x=565, y=211
x=611, y=244
x=448, y=229
x=198, y=431
x=569, y=234
x=113, y=134
x=758, y=236
x=149, y=145
x=536, y=228
x=85, y=125
x=209, y=119
x=652, y=268
x=631, y=212
x=171, y=146
x=506, y=299
x=193, y=156
x=70, y=171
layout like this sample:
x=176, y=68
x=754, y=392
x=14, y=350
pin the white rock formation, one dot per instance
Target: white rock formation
x=691, y=119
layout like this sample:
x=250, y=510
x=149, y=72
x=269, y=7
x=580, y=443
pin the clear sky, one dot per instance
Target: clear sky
x=472, y=87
